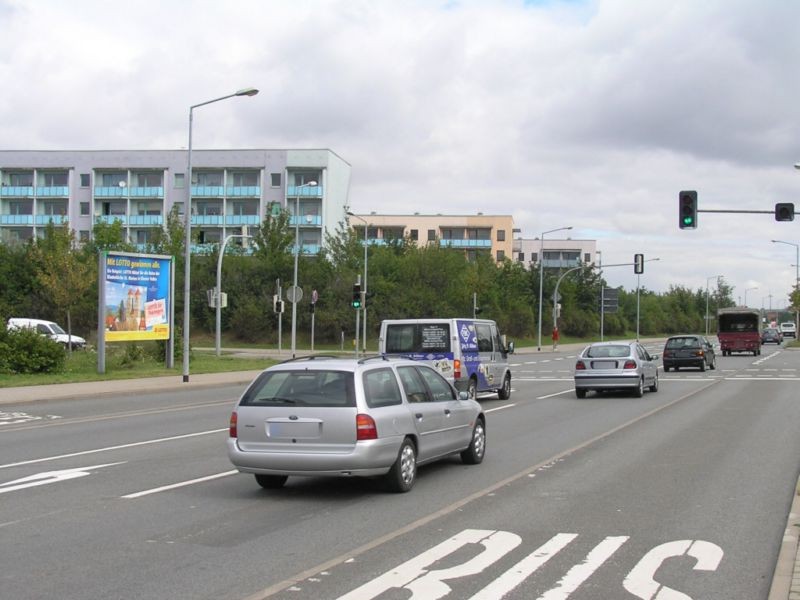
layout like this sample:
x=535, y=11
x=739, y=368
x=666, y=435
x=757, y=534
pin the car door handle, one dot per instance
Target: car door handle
x=418, y=415
x=447, y=412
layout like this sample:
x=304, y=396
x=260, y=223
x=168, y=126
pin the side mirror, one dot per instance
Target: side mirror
x=510, y=348
x=655, y=356
x=463, y=395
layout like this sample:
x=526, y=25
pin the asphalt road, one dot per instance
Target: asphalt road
x=687, y=489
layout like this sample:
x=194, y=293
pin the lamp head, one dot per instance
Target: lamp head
x=247, y=92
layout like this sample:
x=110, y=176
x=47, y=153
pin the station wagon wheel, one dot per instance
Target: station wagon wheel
x=474, y=454
x=703, y=365
x=403, y=474
x=504, y=393
x=271, y=482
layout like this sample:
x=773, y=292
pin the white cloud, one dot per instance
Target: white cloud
x=590, y=114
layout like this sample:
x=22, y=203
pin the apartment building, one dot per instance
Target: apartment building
x=470, y=234
x=230, y=190
x=555, y=253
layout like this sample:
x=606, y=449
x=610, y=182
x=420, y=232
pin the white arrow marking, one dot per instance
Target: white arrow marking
x=50, y=477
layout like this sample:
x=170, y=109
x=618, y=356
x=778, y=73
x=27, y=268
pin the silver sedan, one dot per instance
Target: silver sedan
x=612, y=366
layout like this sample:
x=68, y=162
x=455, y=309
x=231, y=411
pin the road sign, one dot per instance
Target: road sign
x=294, y=294
x=314, y=296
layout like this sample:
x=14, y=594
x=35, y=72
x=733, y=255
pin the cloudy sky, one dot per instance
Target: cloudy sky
x=592, y=114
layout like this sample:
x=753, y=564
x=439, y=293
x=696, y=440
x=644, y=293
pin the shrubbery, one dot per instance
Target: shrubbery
x=26, y=351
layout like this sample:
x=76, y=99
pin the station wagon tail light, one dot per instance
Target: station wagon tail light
x=457, y=369
x=629, y=364
x=365, y=428
x=579, y=366
x=232, y=428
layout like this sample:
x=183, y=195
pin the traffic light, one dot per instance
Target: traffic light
x=356, y=302
x=687, y=210
x=784, y=211
x=638, y=264
x=277, y=305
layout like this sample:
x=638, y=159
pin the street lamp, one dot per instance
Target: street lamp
x=745, y=293
x=364, y=287
x=637, y=296
x=541, y=278
x=796, y=266
x=218, y=291
x=187, y=209
x=708, y=279
x=294, y=291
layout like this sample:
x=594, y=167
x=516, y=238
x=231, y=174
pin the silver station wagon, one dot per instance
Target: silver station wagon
x=325, y=416
x=614, y=366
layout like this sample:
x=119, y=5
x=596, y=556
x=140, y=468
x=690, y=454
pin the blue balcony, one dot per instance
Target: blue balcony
x=376, y=242
x=465, y=243
x=110, y=191
x=207, y=220
x=251, y=191
x=55, y=219
x=147, y=192
x=207, y=191
x=146, y=220
x=109, y=219
x=16, y=219
x=242, y=220
x=313, y=191
x=307, y=249
x=306, y=221
x=17, y=191
x=52, y=191
x=558, y=263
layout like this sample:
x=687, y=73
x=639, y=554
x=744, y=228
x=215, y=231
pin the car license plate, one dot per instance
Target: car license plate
x=604, y=364
x=293, y=429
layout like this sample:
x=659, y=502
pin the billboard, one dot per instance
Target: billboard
x=136, y=296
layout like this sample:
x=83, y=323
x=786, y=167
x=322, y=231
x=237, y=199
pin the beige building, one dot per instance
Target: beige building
x=470, y=234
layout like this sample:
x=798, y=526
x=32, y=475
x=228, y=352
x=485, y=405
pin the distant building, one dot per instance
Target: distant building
x=230, y=190
x=554, y=253
x=471, y=234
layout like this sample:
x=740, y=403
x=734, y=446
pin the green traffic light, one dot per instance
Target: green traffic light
x=688, y=220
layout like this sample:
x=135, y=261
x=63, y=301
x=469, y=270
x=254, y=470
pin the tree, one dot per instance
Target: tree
x=64, y=272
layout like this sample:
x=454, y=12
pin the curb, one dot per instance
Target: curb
x=786, y=579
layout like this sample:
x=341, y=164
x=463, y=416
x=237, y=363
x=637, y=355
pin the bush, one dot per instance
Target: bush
x=26, y=351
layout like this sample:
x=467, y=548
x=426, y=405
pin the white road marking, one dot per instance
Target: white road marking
x=555, y=394
x=181, y=484
x=50, y=477
x=581, y=572
x=110, y=448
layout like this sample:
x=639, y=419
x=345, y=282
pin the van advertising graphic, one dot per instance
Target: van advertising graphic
x=137, y=297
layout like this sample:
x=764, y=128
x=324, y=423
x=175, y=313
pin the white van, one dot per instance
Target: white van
x=470, y=353
x=788, y=329
x=48, y=328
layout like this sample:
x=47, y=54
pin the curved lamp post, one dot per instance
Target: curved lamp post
x=796, y=266
x=187, y=210
x=541, y=278
x=295, y=299
x=218, y=291
x=748, y=290
x=708, y=279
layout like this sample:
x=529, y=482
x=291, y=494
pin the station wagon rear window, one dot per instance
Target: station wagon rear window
x=417, y=337
x=301, y=388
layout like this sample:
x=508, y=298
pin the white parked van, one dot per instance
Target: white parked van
x=48, y=328
x=470, y=353
x=788, y=329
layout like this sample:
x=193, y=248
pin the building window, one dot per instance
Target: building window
x=83, y=235
x=208, y=178
x=414, y=234
x=84, y=209
x=180, y=180
x=55, y=179
x=501, y=255
x=149, y=179
x=521, y=257
x=245, y=179
x=501, y=235
x=534, y=257
x=275, y=179
x=587, y=258
x=431, y=235
x=178, y=207
x=86, y=180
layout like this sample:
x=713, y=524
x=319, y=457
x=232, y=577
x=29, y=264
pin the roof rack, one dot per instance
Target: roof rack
x=385, y=357
x=310, y=357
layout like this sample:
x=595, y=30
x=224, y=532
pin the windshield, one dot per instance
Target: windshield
x=301, y=388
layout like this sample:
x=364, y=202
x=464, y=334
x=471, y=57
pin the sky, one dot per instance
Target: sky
x=591, y=114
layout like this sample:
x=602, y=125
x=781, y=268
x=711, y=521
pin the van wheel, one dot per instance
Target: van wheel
x=271, y=482
x=472, y=389
x=504, y=393
x=474, y=454
x=403, y=474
